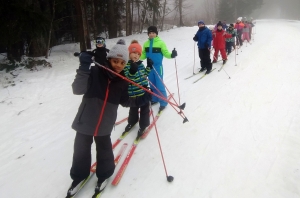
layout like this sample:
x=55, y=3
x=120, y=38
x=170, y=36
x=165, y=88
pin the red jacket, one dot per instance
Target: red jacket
x=219, y=39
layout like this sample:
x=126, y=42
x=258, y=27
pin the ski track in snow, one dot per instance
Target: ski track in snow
x=242, y=138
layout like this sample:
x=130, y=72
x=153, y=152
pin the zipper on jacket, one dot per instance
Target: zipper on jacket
x=102, y=110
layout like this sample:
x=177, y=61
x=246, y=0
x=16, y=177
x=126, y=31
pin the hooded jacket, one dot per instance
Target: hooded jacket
x=156, y=50
x=102, y=93
x=219, y=39
x=204, y=38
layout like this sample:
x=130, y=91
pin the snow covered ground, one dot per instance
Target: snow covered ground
x=242, y=138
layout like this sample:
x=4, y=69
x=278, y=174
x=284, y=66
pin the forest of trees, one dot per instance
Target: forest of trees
x=32, y=27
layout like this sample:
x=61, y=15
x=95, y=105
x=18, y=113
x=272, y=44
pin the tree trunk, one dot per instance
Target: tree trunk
x=127, y=18
x=93, y=19
x=50, y=30
x=163, y=16
x=80, y=25
x=180, y=14
x=85, y=25
x=112, y=22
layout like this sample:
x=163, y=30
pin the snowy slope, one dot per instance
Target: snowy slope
x=242, y=138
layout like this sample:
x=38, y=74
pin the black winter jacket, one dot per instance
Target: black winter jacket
x=100, y=89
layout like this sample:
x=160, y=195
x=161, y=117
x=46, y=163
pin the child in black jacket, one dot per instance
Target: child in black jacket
x=102, y=93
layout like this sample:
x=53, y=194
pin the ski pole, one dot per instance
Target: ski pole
x=226, y=73
x=183, y=105
x=169, y=177
x=159, y=92
x=177, y=81
x=235, y=55
x=130, y=81
x=194, y=59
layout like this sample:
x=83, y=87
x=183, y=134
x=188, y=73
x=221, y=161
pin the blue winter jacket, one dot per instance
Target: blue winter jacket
x=204, y=38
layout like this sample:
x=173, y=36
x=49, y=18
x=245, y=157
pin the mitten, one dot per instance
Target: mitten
x=174, y=53
x=149, y=63
x=133, y=68
x=195, y=38
x=85, y=59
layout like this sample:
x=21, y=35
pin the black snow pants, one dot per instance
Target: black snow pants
x=205, y=61
x=144, y=118
x=82, y=157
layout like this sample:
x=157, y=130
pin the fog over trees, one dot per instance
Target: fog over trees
x=35, y=26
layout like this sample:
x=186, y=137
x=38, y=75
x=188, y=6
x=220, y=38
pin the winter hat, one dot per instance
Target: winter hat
x=231, y=25
x=152, y=29
x=135, y=47
x=201, y=22
x=219, y=24
x=119, y=51
x=239, y=19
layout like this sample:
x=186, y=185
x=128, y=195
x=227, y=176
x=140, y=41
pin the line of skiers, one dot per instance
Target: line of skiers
x=222, y=38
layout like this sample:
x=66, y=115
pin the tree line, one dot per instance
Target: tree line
x=32, y=27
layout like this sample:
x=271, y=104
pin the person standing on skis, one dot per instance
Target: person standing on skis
x=156, y=49
x=239, y=26
x=138, y=73
x=102, y=93
x=204, y=38
x=219, y=37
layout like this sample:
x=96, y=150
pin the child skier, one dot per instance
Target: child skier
x=204, y=39
x=246, y=31
x=102, y=93
x=136, y=71
x=230, y=41
x=239, y=27
x=155, y=49
x=219, y=37
x=101, y=51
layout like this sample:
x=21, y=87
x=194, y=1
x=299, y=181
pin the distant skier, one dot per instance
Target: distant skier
x=239, y=27
x=230, y=42
x=246, y=30
x=219, y=37
x=204, y=39
x=101, y=50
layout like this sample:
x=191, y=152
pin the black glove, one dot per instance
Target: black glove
x=85, y=59
x=133, y=68
x=76, y=54
x=144, y=99
x=195, y=38
x=174, y=53
x=149, y=63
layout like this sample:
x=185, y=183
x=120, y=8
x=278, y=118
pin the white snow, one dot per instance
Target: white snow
x=242, y=138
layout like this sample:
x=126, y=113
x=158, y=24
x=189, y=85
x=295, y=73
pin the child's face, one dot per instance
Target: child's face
x=152, y=35
x=99, y=45
x=134, y=56
x=117, y=64
x=219, y=27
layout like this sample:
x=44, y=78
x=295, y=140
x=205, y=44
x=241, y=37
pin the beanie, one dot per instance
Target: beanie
x=239, y=19
x=135, y=47
x=152, y=29
x=201, y=22
x=119, y=51
x=219, y=24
